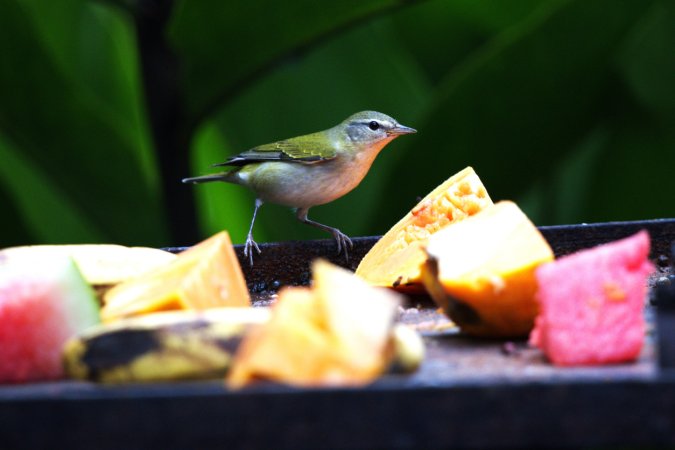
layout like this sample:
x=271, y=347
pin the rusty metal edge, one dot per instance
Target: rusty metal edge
x=288, y=262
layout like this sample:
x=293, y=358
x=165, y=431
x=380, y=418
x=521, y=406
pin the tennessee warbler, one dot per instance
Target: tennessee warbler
x=310, y=170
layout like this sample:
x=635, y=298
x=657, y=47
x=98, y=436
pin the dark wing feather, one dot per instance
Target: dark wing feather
x=305, y=149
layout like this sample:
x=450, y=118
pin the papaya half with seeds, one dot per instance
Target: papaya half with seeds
x=395, y=260
x=481, y=271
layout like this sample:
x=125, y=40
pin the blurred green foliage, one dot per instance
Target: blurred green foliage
x=566, y=106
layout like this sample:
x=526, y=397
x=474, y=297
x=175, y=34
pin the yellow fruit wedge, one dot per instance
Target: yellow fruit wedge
x=207, y=275
x=292, y=347
x=395, y=260
x=339, y=332
x=100, y=264
x=358, y=316
x=481, y=271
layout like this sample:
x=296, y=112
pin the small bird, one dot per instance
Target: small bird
x=310, y=170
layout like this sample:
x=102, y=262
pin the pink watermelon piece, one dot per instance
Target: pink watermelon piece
x=41, y=306
x=592, y=304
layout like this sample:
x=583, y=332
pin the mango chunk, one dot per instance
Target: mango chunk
x=395, y=260
x=481, y=271
x=207, y=275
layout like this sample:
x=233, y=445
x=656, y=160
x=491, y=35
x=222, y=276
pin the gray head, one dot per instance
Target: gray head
x=371, y=127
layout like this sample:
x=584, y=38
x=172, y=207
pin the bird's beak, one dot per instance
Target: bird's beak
x=401, y=129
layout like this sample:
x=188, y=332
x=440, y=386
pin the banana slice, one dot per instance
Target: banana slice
x=163, y=346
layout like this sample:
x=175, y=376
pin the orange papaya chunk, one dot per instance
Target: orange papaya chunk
x=395, y=260
x=207, y=275
x=481, y=271
x=338, y=332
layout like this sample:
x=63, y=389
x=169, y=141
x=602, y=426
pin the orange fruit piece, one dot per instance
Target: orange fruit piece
x=207, y=275
x=336, y=333
x=395, y=260
x=481, y=271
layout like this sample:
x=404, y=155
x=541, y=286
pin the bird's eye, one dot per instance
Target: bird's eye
x=374, y=125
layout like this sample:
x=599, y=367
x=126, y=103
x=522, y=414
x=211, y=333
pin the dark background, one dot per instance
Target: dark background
x=565, y=106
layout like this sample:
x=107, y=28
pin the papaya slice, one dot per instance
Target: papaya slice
x=481, y=271
x=207, y=275
x=395, y=260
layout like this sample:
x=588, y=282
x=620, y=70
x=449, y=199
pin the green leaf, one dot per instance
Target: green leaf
x=16, y=231
x=440, y=34
x=225, y=45
x=80, y=145
x=633, y=179
x=646, y=62
x=43, y=214
x=496, y=15
x=108, y=67
x=564, y=197
x=515, y=107
x=93, y=45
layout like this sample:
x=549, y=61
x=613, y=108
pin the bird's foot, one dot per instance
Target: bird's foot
x=248, y=248
x=342, y=241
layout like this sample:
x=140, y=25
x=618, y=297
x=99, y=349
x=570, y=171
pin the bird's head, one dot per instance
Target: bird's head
x=368, y=128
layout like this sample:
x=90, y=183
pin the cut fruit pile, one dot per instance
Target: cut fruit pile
x=395, y=260
x=490, y=269
x=45, y=300
x=186, y=318
x=476, y=259
x=207, y=275
x=339, y=332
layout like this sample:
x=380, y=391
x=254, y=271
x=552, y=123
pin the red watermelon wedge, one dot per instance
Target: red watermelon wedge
x=42, y=304
x=591, y=304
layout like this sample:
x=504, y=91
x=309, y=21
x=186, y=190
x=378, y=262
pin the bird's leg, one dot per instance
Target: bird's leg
x=341, y=239
x=250, y=243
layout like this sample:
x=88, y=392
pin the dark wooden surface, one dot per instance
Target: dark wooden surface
x=468, y=393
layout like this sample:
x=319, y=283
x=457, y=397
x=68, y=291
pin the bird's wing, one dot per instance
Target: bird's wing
x=306, y=149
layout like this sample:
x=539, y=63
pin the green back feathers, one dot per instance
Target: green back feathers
x=310, y=148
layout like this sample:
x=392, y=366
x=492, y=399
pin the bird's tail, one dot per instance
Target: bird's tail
x=225, y=176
